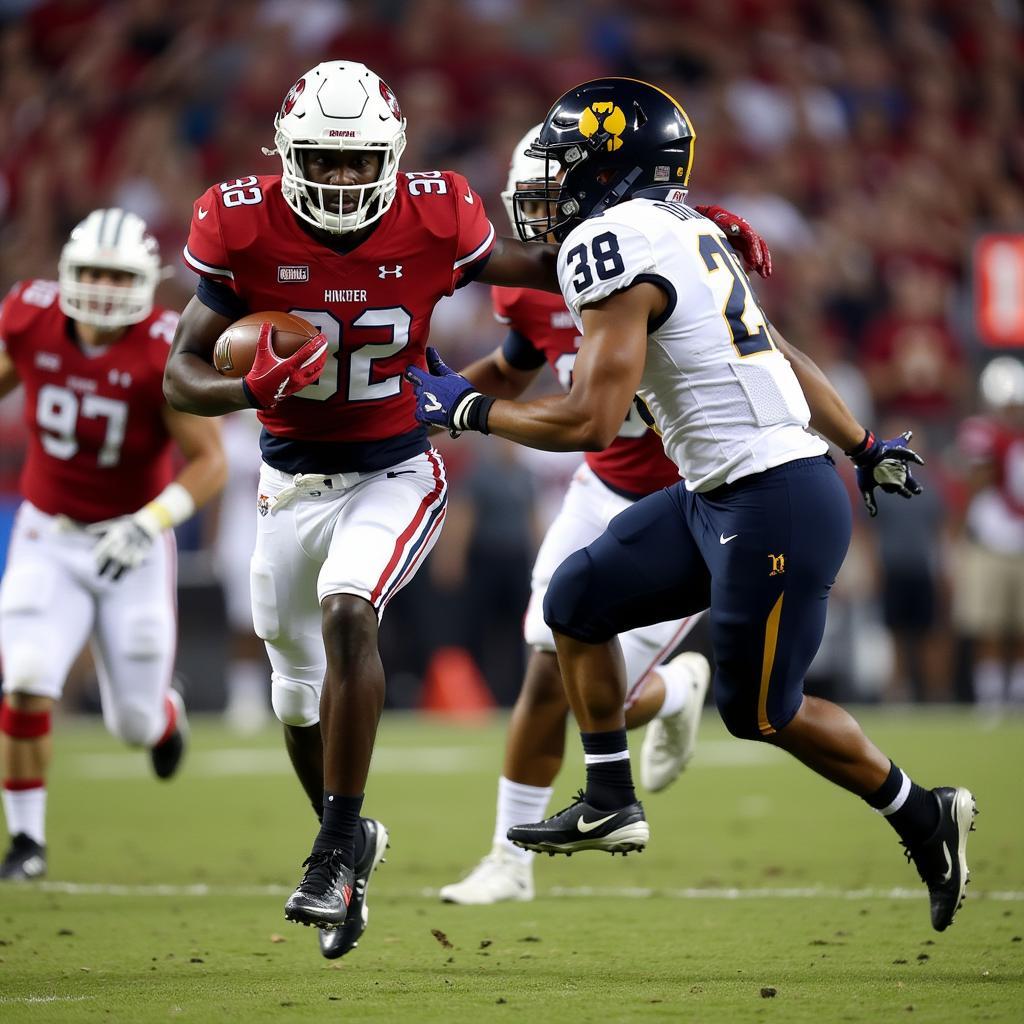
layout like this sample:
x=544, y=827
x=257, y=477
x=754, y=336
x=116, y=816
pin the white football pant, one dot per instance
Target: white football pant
x=53, y=600
x=350, y=533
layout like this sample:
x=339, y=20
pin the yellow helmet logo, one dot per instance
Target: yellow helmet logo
x=604, y=115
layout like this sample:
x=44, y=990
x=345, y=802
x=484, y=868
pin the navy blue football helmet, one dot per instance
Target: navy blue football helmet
x=604, y=142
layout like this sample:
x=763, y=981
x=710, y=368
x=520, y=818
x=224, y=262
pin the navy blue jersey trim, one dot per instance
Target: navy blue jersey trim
x=293, y=455
x=221, y=299
x=670, y=293
x=473, y=271
x=520, y=353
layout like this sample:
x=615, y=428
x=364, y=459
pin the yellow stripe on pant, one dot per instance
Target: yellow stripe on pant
x=771, y=639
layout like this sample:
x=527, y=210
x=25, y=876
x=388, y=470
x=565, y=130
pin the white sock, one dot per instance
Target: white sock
x=25, y=811
x=678, y=680
x=1017, y=682
x=518, y=805
x=988, y=683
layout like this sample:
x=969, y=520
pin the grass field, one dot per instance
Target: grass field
x=164, y=902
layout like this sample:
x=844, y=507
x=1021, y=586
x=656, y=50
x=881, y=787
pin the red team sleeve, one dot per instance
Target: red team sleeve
x=205, y=252
x=475, y=231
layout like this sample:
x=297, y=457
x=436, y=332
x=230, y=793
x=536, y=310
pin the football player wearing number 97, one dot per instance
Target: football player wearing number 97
x=761, y=525
x=351, y=494
x=92, y=554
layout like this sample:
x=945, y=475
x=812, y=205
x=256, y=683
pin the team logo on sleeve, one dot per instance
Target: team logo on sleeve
x=604, y=116
x=293, y=96
x=389, y=99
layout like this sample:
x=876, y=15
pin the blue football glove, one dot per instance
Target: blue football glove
x=445, y=398
x=885, y=464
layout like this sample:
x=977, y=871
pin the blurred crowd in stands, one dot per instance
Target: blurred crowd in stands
x=872, y=143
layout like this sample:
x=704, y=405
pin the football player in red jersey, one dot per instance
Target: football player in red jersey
x=352, y=495
x=92, y=554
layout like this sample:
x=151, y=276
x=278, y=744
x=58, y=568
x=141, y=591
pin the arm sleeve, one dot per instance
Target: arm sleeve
x=219, y=297
x=520, y=352
x=475, y=238
x=206, y=252
x=601, y=257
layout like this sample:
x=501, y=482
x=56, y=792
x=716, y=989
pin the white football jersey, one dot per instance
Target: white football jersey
x=725, y=400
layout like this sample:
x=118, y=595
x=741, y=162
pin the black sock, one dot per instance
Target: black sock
x=609, y=780
x=339, y=826
x=911, y=809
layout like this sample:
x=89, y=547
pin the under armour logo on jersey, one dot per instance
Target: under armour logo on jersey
x=395, y=271
x=117, y=377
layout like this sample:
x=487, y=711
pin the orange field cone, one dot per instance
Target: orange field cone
x=454, y=686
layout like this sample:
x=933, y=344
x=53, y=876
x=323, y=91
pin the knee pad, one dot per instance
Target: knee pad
x=294, y=703
x=574, y=606
x=27, y=671
x=136, y=725
x=536, y=632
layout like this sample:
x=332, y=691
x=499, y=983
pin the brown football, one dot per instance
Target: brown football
x=235, y=349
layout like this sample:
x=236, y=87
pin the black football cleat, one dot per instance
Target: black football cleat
x=24, y=860
x=583, y=827
x=323, y=895
x=339, y=941
x=941, y=860
x=166, y=757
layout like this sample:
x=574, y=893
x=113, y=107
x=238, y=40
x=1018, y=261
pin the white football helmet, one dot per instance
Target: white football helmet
x=111, y=239
x=339, y=105
x=523, y=168
x=1002, y=382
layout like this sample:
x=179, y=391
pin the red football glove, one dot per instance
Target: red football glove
x=273, y=378
x=742, y=237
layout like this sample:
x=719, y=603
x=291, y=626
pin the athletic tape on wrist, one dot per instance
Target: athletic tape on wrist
x=173, y=505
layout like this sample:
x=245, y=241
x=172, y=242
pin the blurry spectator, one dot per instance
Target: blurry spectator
x=913, y=361
x=910, y=545
x=990, y=574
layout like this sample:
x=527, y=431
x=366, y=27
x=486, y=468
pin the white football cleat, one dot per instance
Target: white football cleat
x=669, y=742
x=501, y=875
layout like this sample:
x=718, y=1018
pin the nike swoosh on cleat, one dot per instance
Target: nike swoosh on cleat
x=201, y=213
x=949, y=864
x=589, y=826
x=722, y=539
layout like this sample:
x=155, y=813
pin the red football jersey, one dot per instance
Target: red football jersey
x=98, y=445
x=374, y=303
x=635, y=462
x=986, y=440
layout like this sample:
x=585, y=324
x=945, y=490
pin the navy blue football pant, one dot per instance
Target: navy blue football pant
x=762, y=553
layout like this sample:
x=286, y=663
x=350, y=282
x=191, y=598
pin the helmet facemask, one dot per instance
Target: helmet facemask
x=109, y=240
x=339, y=106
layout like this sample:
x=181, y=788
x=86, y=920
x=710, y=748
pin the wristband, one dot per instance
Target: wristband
x=859, y=449
x=173, y=505
x=471, y=413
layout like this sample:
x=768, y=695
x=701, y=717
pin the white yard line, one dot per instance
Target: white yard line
x=556, y=891
x=32, y=1000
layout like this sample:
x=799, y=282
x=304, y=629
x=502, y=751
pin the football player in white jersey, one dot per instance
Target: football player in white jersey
x=762, y=523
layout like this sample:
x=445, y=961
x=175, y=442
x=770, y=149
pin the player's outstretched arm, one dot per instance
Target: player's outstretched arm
x=606, y=375
x=191, y=384
x=198, y=438
x=521, y=265
x=880, y=463
x=830, y=415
